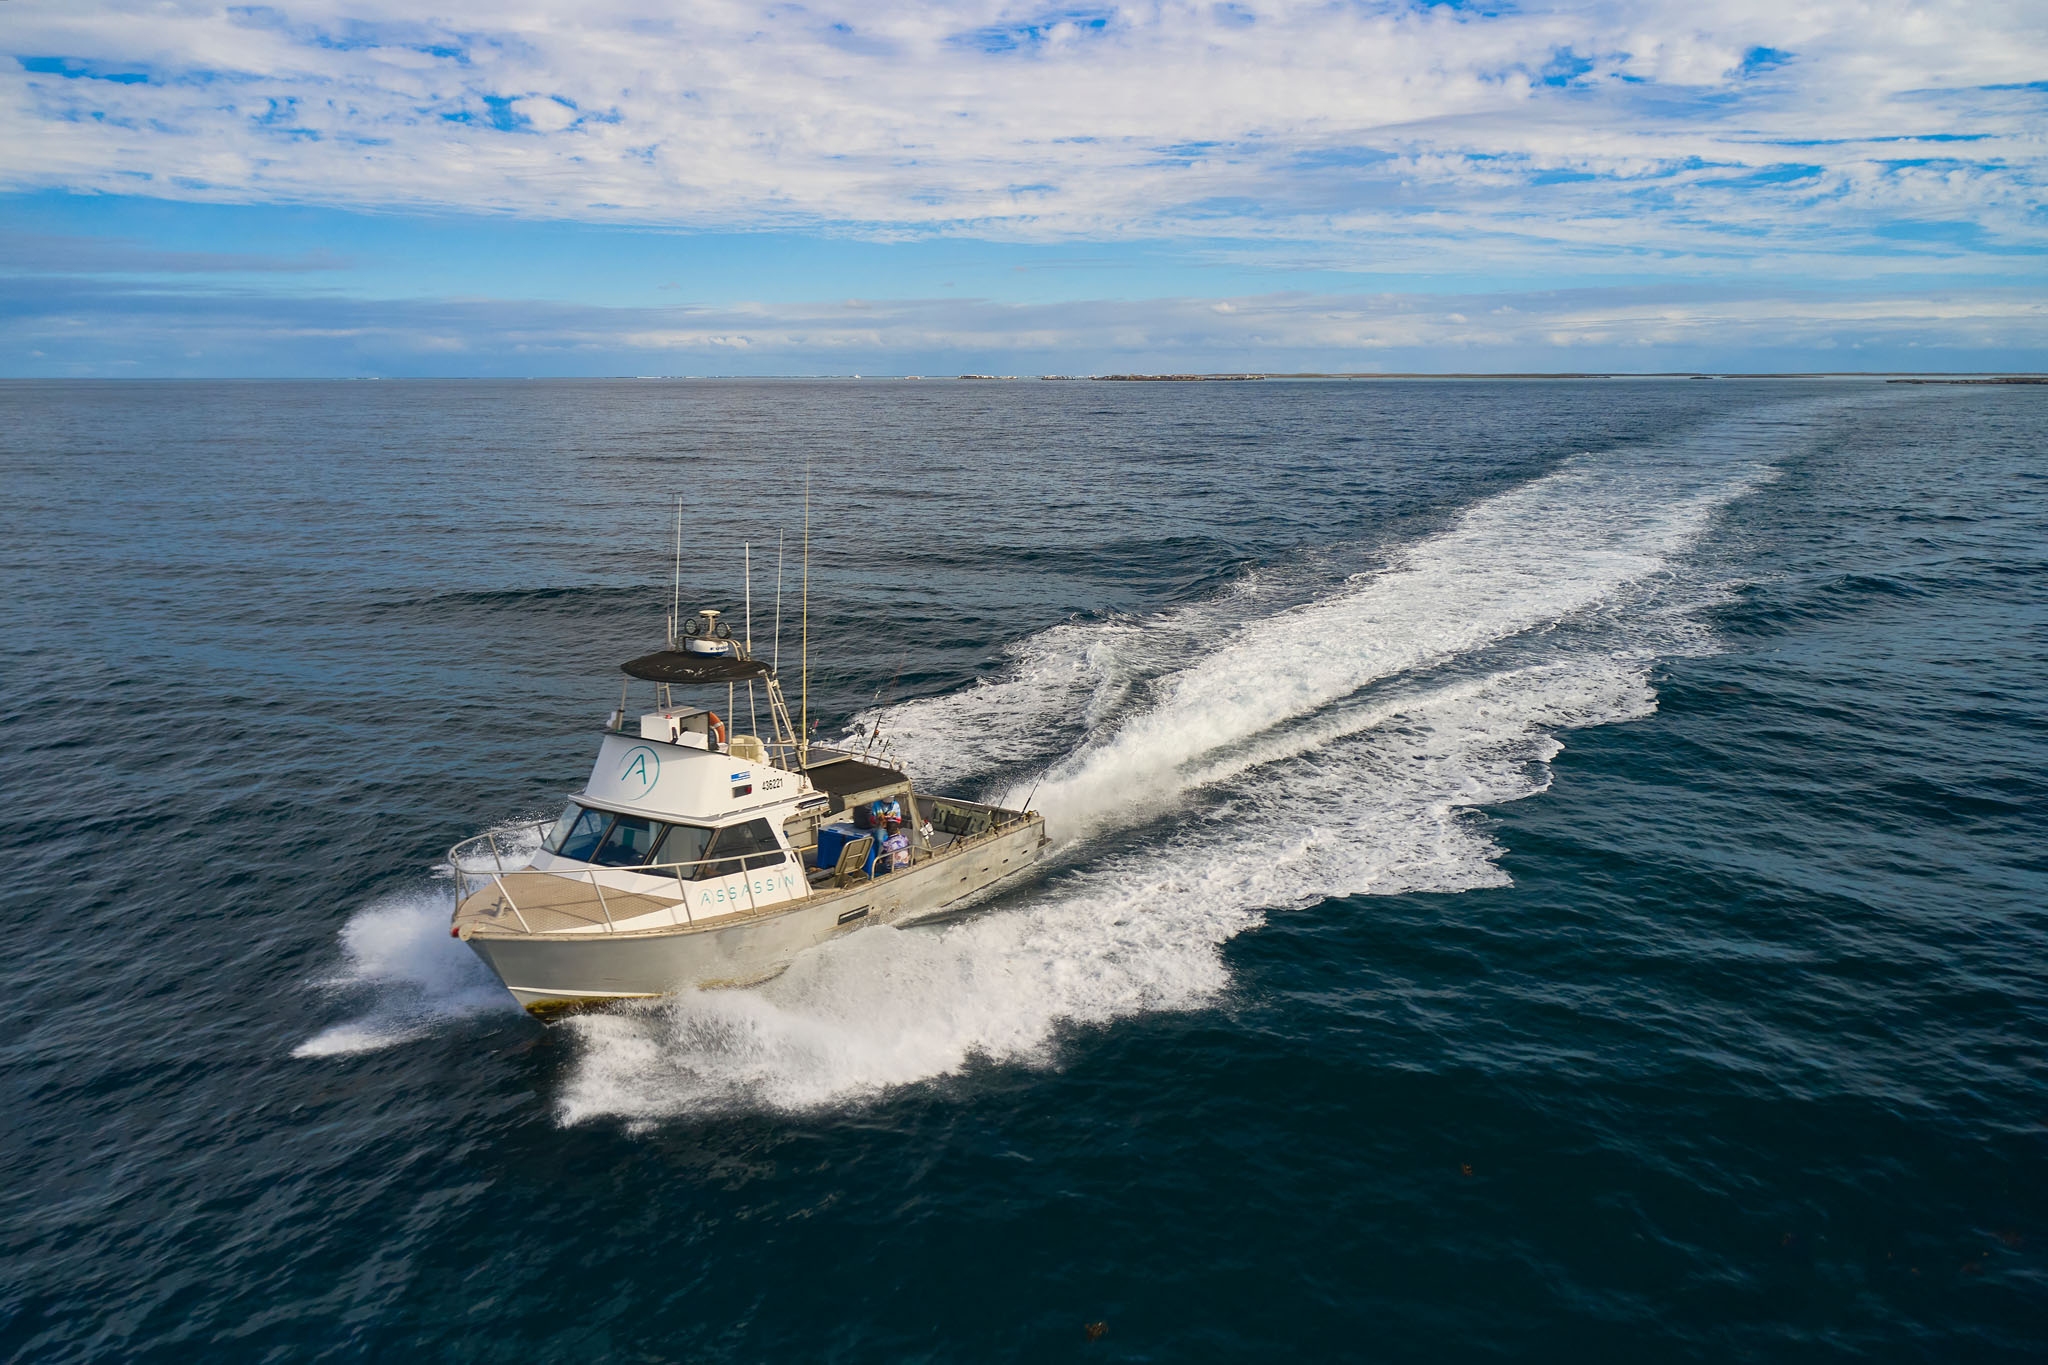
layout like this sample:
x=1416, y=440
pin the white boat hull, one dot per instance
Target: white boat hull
x=554, y=971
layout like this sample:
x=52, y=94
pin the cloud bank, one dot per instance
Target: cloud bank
x=1710, y=135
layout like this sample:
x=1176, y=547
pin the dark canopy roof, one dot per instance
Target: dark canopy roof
x=838, y=776
x=674, y=666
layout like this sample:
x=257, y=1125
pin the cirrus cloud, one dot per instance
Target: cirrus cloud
x=1716, y=133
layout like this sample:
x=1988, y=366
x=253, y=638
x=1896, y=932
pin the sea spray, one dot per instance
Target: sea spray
x=397, y=952
x=1376, y=811
x=398, y=956
x=1308, y=792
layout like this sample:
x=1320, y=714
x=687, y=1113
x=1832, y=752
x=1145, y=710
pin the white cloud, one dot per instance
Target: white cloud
x=544, y=115
x=1720, y=128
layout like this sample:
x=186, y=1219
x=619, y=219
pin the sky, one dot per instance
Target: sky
x=441, y=187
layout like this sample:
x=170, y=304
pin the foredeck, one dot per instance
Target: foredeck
x=540, y=902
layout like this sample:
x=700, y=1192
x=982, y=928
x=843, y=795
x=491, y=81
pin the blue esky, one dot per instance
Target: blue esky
x=741, y=188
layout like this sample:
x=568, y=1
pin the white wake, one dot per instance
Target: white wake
x=1375, y=811
x=1202, y=767
x=1275, y=760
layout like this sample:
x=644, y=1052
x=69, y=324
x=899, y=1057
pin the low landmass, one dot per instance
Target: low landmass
x=1890, y=377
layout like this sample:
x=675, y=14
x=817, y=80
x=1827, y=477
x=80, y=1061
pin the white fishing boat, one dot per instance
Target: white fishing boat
x=698, y=857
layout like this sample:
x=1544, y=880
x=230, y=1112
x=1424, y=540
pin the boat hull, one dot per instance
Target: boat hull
x=548, y=973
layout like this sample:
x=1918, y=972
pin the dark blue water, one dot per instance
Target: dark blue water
x=1546, y=871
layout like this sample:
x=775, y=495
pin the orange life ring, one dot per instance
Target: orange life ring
x=717, y=725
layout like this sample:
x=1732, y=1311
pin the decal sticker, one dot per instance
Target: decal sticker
x=641, y=769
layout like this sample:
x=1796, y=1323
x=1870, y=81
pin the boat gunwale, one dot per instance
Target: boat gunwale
x=815, y=897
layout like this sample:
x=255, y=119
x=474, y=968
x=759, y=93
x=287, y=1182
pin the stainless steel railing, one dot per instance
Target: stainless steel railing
x=459, y=858
x=462, y=858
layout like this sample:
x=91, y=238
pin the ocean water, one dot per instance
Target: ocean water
x=1544, y=871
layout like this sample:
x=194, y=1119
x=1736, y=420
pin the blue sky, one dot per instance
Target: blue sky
x=514, y=188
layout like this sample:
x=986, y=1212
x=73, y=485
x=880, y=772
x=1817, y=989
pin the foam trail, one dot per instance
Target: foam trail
x=398, y=953
x=1374, y=810
x=1527, y=558
x=1061, y=685
x=1054, y=678
x=1358, y=796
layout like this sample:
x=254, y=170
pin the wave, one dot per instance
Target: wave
x=1523, y=560
x=412, y=977
x=1338, y=747
x=397, y=952
x=1377, y=811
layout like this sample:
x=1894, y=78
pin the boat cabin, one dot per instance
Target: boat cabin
x=683, y=819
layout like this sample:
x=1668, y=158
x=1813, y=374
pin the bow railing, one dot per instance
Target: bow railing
x=473, y=873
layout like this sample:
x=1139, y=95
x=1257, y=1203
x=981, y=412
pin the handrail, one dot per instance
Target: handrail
x=496, y=871
x=500, y=882
x=641, y=869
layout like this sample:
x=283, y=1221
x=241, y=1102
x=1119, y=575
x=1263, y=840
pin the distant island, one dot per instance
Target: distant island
x=1986, y=379
x=1891, y=377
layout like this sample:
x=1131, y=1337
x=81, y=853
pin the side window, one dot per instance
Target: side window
x=567, y=822
x=627, y=845
x=585, y=835
x=683, y=844
x=747, y=846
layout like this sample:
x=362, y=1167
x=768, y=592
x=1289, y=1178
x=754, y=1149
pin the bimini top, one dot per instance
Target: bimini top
x=676, y=666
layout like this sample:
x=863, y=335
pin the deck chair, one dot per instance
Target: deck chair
x=853, y=861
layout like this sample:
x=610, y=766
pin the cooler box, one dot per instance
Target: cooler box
x=833, y=838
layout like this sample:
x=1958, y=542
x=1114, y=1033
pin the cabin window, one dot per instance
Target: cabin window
x=607, y=840
x=683, y=844
x=559, y=831
x=627, y=843
x=579, y=832
x=747, y=846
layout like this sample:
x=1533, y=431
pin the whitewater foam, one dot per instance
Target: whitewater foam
x=1526, y=559
x=397, y=954
x=1379, y=809
x=1337, y=748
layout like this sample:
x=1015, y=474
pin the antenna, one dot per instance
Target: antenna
x=675, y=607
x=747, y=551
x=776, y=662
x=803, y=740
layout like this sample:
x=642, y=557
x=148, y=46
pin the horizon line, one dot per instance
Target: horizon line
x=1219, y=376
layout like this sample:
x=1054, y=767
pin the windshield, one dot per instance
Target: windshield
x=578, y=833
x=608, y=840
x=747, y=846
x=627, y=844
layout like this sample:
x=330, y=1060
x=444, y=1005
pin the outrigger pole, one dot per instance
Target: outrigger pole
x=675, y=613
x=753, y=717
x=803, y=738
x=776, y=660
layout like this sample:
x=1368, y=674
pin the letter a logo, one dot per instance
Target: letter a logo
x=640, y=771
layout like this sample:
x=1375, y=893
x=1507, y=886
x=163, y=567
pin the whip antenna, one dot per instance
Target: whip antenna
x=675, y=605
x=803, y=739
x=747, y=550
